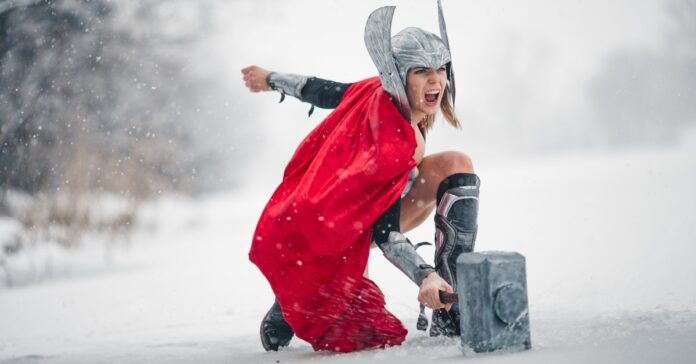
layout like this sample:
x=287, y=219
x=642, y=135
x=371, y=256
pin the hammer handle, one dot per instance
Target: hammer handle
x=447, y=298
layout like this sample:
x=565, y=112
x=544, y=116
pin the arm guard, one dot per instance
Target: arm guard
x=318, y=92
x=286, y=83
x=400, y=252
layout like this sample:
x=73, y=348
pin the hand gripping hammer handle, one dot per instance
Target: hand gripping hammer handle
x=447, y=298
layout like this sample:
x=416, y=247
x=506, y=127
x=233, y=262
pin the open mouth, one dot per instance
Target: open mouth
x=432, y=95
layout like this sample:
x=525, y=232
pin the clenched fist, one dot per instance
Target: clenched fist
x=429, y=293
x=255, y=78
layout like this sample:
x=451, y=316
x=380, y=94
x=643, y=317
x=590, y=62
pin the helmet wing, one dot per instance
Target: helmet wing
x=378, y=43
x=445, y=39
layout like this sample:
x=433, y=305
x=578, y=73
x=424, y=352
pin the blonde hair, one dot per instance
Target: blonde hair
x=447, y=112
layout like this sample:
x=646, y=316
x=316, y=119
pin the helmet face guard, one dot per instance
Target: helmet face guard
x=411, y=47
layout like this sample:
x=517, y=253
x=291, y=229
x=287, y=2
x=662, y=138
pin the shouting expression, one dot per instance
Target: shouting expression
x=424, y=88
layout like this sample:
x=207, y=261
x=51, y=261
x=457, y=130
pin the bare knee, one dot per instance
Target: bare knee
x=456, y=162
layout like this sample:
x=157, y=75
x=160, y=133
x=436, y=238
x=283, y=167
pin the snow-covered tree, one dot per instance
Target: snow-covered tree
x=97, y=97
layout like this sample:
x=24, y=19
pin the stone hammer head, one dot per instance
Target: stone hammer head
x=492, y=290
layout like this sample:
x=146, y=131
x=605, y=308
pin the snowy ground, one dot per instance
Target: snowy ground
x=609, y=240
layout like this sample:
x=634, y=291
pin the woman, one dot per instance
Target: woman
x=350, y=183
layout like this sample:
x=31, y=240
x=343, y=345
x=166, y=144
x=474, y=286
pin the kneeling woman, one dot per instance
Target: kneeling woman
x=350, y=183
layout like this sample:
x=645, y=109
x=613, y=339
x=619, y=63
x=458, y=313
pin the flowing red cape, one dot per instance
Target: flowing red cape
x=313, y=239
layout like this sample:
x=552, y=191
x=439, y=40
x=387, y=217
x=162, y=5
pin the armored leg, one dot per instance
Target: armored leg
x=455, y=233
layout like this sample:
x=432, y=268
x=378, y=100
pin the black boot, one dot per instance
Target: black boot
x=275, y=332
x=445, y=322
x=455, y=233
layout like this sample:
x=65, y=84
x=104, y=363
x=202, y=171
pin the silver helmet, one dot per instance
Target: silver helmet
x=411, y=47
x=415, y=47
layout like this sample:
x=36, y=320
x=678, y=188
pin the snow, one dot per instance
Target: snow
x=608, y=237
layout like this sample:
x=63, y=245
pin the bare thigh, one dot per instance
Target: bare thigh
x=419, y=203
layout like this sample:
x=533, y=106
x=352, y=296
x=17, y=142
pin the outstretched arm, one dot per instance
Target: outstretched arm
x=321, y=93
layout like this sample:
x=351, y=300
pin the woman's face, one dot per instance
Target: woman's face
x=424, y=88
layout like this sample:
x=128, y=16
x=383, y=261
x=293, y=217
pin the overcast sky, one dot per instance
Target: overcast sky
x=522, y=67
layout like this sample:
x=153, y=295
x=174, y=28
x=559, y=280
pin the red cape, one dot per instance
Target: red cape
x=313, y=239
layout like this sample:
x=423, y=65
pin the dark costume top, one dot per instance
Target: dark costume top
x=313, y=238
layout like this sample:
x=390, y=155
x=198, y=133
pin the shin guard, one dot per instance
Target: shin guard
x=455, y=233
